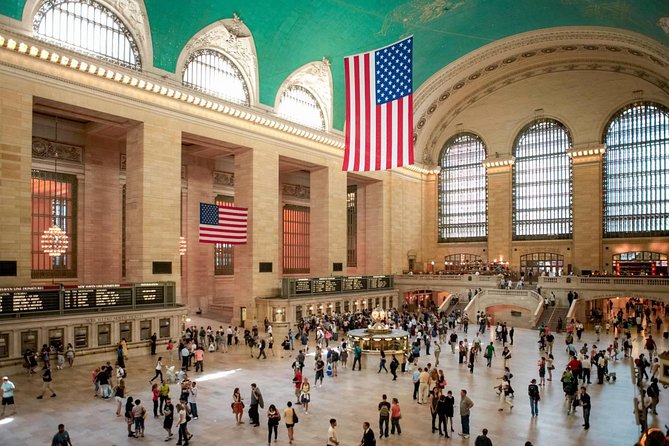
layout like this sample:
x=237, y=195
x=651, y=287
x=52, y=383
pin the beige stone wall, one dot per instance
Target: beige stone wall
x=15, y=192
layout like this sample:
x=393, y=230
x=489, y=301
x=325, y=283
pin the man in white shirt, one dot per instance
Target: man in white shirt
x=332, y=434
x=8, y=388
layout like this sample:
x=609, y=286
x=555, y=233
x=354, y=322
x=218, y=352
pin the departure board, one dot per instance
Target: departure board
x=149, y=293
x=342, y=284
x=28, y=300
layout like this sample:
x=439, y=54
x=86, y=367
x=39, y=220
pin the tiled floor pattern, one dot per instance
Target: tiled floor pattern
x=352, y=397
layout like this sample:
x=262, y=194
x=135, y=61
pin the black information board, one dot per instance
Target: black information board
x=354, y=283
x=340, y=284
x=149, y=293
x=22, y=300
x=326, y=285
x=97, y=296
x=303, y=286
x=378, y=282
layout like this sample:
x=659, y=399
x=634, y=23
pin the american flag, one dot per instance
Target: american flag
x=219, y=224
x=379, y=108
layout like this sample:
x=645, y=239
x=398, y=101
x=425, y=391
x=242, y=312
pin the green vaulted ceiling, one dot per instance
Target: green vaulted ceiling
x=290, y=33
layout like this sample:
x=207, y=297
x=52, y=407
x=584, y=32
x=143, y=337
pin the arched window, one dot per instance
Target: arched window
x=542, y=182
x=636, y=172
x=462, y=189
x=87, y=27
x=297, y=104
x=211, y=72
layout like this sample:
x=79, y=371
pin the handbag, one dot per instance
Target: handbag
x=295, y=417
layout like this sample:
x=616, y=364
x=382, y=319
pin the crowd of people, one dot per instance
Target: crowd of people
x=428, y=330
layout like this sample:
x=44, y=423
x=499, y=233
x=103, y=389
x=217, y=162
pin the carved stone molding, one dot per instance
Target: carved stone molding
x=45, y=149
x=224, y=178
x=296, y=190
x=239, y=48
x=502, y=55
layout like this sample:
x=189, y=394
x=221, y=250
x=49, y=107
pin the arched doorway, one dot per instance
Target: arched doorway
x=456, y=263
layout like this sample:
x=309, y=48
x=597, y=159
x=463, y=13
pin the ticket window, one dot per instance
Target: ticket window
x=347, y=306
x=29, y=341
x=384, y=303
x=390, y=301
x=369, y=304
x=144, y=330
x=104, y=334
x=125, y=331
x=4, y=345
x=80, y=337
x=378, y=302
x=56, y=337
x=298, y=313
x=337, y=307
x=164, y=328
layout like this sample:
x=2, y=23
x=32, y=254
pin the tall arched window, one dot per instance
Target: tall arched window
x=299, y=105
x=636, y=172
x=213, y=73
x=542, y=182
x=87, y=27
x=462, y=189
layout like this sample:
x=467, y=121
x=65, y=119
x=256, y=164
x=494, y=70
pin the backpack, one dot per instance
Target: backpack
x=651, y=392
x=335, y=356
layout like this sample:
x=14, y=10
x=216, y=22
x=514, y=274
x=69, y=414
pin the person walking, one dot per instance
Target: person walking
x=384, y=416
x=163, y=395
x=8, y=389
x=62, y=437
x=382, y=362
x=273, y=418
x=332, y=433
x=119, y=395
x=489, y=353
x=436, y=352
x=357, y=355
x=368, y=438
x=466, y=405
x=586, y=405
x=395, y=417
x=394, y=364
x=542, y=371
x=424, y=386
x=192, y=400
x=290, y=418
x=46, y=382
x=182, y=424
x=154, y=343
x=416, y=382
x=483, y=439
x=69, y=354
x=159, y=370
x=533, y=393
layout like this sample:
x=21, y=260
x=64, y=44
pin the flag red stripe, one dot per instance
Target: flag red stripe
x=367, y=113
x=347, y=136
x=357, y=87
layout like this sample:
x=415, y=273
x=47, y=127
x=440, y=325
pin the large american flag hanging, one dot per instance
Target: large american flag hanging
x=221, y=224
x=379, y=108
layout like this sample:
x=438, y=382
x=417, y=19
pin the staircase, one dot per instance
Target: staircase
x=551, y=315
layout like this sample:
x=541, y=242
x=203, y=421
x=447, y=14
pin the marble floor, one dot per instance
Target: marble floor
x=352, y=398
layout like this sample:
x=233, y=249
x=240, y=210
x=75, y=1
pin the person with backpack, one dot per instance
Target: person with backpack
x=653, y=391
x=533, y=393
x=394, y=364
x=334, y=359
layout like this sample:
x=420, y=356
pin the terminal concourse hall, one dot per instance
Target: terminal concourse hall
x=540, y=135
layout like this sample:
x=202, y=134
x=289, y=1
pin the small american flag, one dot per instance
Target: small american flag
x=379, y=108
x=219, y=224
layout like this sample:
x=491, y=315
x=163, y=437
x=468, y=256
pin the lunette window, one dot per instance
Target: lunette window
x=87, y=27
x=213, y=73
x=299, y=105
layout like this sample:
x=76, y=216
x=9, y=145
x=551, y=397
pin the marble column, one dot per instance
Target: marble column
x=499, y=209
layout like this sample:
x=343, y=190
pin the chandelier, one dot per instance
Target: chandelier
x=54, y=241
x=183, y=246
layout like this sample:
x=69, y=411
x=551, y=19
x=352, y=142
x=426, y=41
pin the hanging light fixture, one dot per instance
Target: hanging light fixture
x=183, y=246
x=54, y=241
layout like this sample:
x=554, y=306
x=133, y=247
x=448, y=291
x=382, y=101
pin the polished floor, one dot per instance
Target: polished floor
x=352, y=398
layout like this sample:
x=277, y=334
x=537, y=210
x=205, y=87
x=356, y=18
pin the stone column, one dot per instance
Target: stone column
x=499, y=208
x=153, y=195
x=198, y=263
x=375, y=228
x=327, y=244
x=15, y=184
x=256, y=188
x=587, y=206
